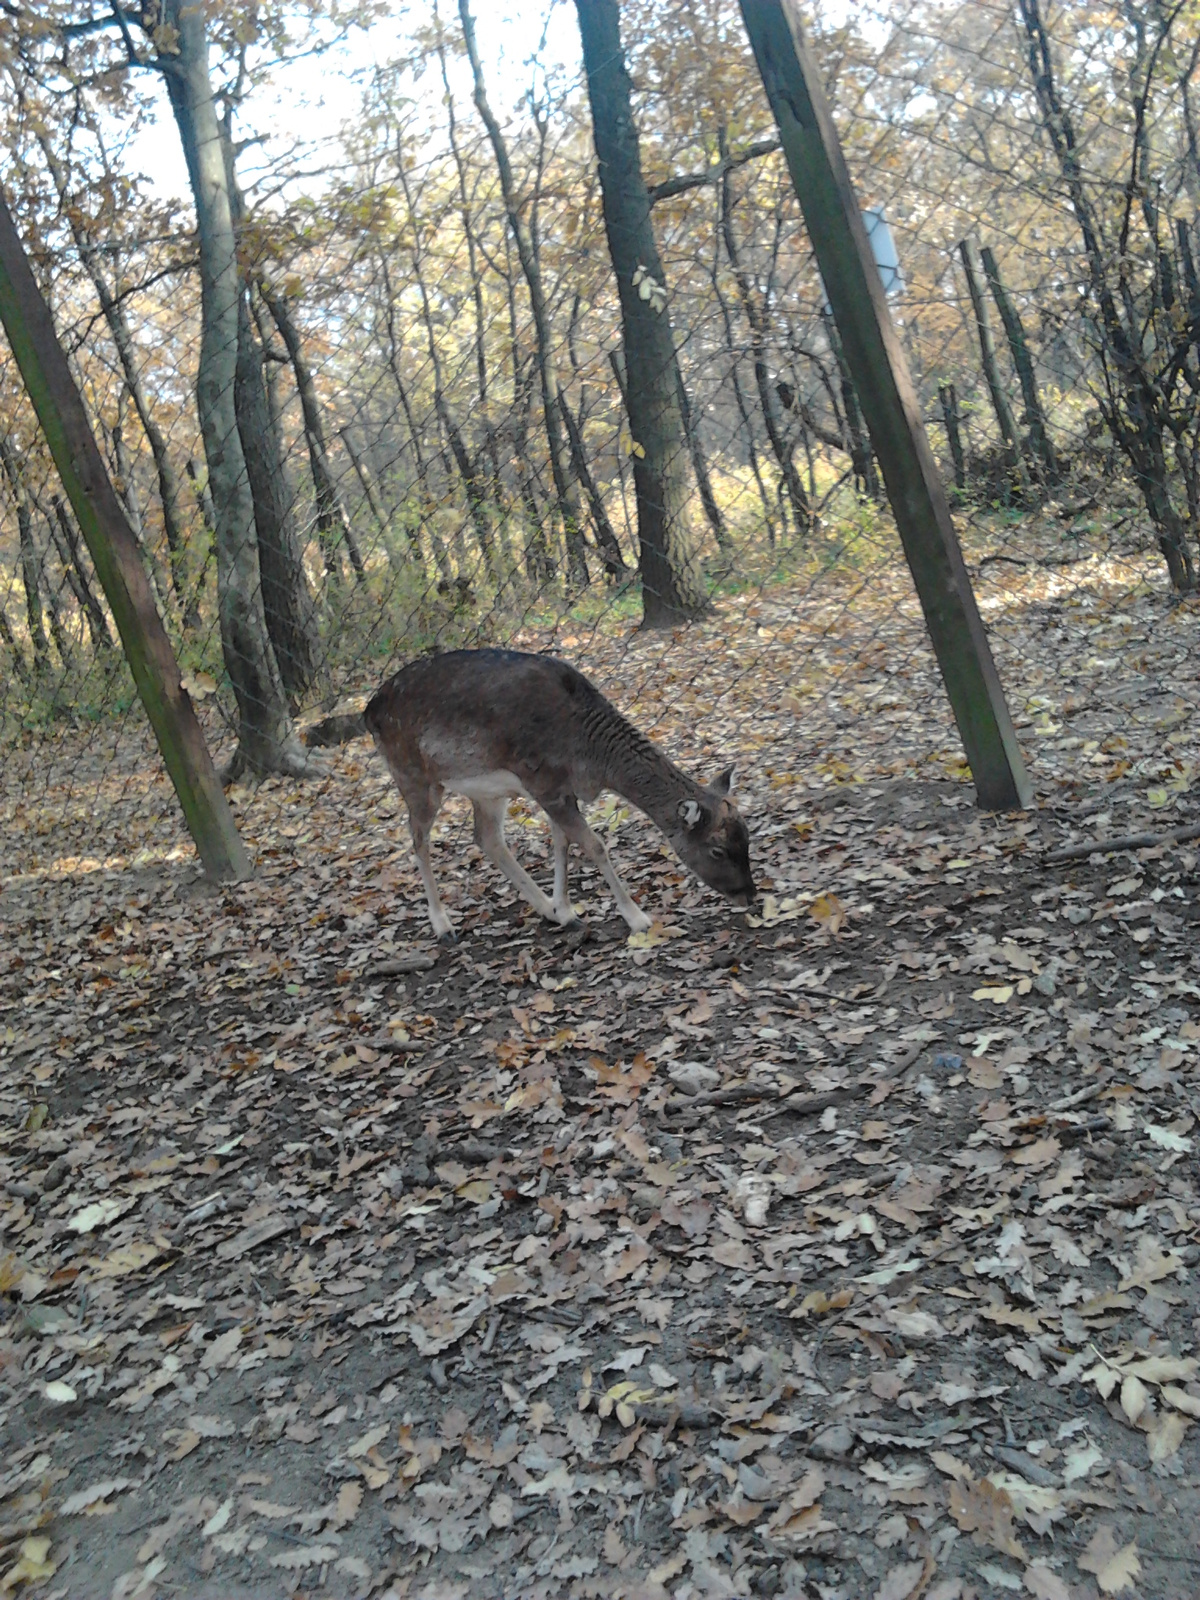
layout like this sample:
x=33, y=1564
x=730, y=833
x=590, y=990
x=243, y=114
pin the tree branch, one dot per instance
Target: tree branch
x=670, y=187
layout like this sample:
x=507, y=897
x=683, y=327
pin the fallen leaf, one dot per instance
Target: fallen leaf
x=1114, y=1568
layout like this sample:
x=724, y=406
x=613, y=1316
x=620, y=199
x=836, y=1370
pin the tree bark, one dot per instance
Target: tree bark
x=333, y=525
x=673, y=588
x=287, y=601
x=1040, y=442
x=700, y=464
x=607, y=542
x=71, y=556
x=968, y=250
x=757, y=321
x=267, y=741
x=474, y=481
x=473, y=252
x=531, y=268
x=28, y=554
x=425, y=500
x=735, y=380
x=948, y=396
x=371, y=494
x=862, y=457
x=20, y=665
x=59, y=632
x=127, y=489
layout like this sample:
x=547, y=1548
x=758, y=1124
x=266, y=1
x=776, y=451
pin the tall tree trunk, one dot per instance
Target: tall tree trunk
x=370, y=491
x=948, y=397
x=673, y=588
x=735, y=379
x=288, y=607
x=476, y=276
x=208, y=521
x=333, y=525
x=59, y=630
x=756, y=317
x=700, y=464
x=28, y=553
x=529, y=256
x=69, y=553
x=606, y=539
x=862, y=457
x=170, y=490
x=474, y=481
x=20, y=665
x=536, y=552
x=126, y=489
x=973, y=268
x=425, y=501
x=267, y=741
x=1040, y=443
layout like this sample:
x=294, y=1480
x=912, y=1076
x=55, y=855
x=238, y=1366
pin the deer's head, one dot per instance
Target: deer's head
x=712, y=840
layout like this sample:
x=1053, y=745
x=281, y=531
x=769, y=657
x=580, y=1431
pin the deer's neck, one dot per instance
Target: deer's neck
x=639, y=771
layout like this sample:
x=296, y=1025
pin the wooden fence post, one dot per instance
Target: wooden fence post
x=116, y=558
x=889, y=403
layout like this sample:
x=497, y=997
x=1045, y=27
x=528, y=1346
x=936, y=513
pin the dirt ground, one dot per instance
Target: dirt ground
x=794, y=1259
x=843, y=1250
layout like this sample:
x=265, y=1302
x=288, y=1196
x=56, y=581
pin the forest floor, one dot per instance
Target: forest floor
x=844, y=1249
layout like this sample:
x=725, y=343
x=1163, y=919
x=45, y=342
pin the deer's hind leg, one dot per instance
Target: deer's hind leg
x=423, y=806
x=489, y=836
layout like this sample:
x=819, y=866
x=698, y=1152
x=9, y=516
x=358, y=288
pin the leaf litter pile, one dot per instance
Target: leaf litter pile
x=842, y=1249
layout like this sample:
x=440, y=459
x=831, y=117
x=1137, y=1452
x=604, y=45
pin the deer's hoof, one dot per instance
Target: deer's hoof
x=576, y=925
x=448, y=939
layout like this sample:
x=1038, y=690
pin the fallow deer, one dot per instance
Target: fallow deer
x=493, y=724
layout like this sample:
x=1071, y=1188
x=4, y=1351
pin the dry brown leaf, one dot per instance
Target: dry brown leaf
x=987, y=1513
x=1115, y=1567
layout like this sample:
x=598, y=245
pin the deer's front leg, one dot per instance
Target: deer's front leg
x=489, y=836
x=567, y=817
x=564, y=911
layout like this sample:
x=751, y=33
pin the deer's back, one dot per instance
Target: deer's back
x=475, y=713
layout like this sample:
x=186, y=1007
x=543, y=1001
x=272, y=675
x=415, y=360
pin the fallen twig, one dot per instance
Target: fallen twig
x=1029, y=1469
x=1125, y=841
x=410, y=961
x=801, y=1105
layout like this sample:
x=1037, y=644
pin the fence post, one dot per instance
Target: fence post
x=116, y=558
x=889, y=403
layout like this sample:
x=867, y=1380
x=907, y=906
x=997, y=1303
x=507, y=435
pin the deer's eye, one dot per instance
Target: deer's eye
x=718, y=852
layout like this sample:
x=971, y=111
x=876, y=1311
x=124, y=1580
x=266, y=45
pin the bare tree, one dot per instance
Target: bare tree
x=266, y=739
x=672, y=581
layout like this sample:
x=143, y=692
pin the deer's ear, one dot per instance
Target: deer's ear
x=724, y=783
x=691, y=814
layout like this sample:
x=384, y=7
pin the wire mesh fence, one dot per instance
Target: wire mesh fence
x=433, y=415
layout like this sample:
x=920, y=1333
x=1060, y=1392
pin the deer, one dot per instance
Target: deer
x=496, y=724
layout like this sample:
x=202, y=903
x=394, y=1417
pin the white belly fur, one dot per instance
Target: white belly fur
x=486, y=786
